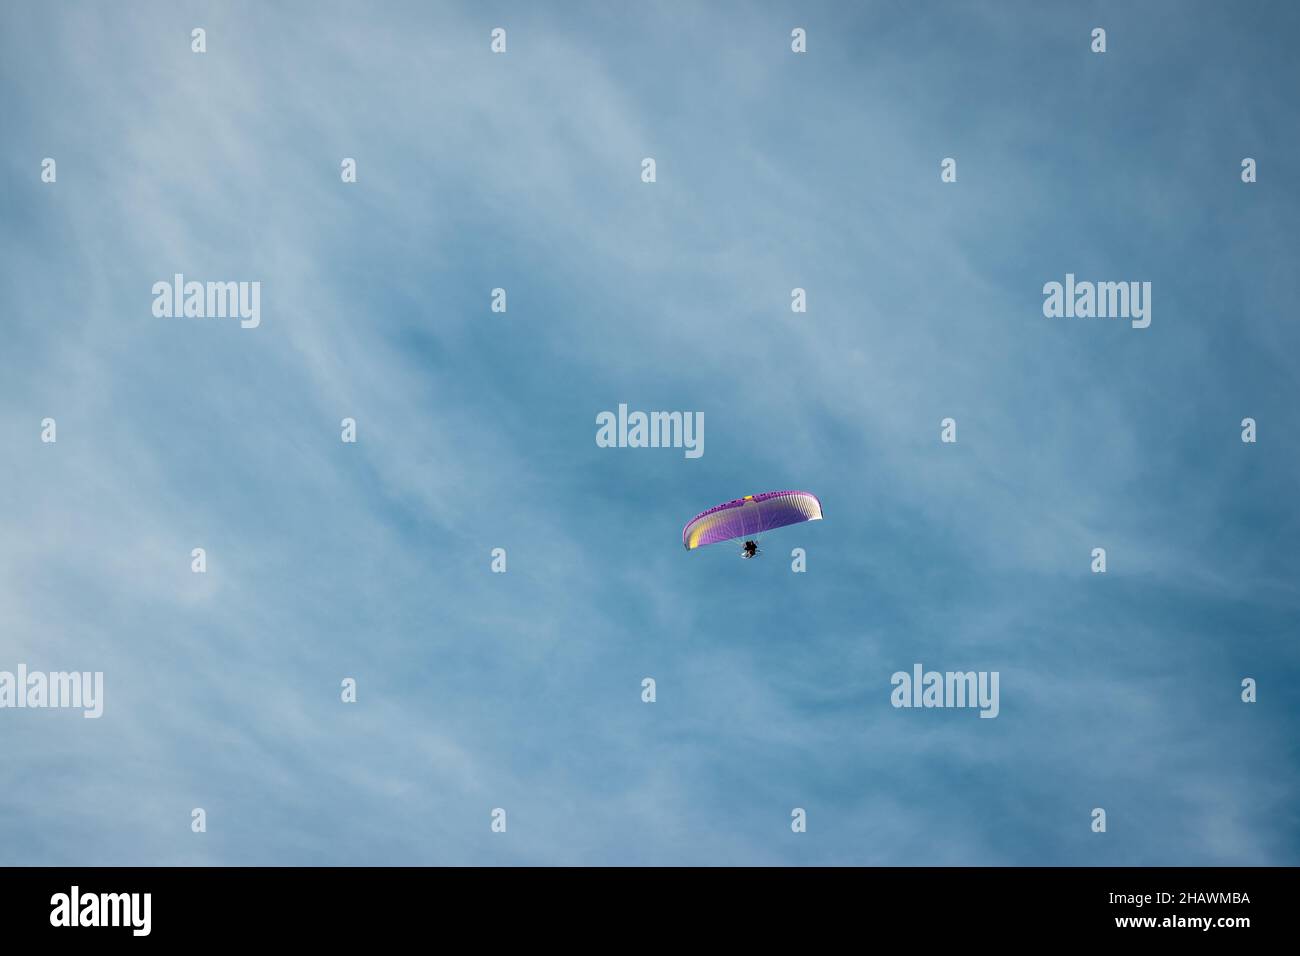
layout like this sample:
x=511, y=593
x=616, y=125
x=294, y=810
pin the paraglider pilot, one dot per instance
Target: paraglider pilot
x=750, y=549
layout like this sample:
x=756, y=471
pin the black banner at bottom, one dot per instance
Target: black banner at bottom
x=370, y=905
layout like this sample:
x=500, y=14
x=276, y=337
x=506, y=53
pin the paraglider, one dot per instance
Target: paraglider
x=749, y=517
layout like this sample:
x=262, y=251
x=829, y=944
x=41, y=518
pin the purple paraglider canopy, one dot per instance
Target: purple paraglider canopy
x=749, y=516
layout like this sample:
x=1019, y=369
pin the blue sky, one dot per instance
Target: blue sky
x=476, y=430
